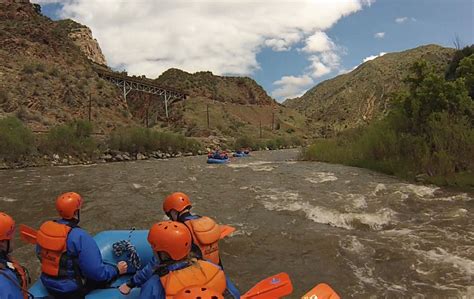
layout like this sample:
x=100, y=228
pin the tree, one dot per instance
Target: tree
x=466, y=71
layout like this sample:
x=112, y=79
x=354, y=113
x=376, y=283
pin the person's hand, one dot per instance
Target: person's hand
x=125, y=289
x=122, y=267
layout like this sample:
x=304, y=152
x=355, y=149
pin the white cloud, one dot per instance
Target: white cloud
x=291, y=86
x=319, y=42
x=284, y=41
x=379, y=35
x=324, y=64
x=148, y=37
x=372, y=57
x=401, y=20
x=325, y=54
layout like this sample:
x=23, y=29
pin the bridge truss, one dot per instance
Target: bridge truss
x=127, y=84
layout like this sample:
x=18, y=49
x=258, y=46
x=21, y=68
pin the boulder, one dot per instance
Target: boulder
x=106, y=157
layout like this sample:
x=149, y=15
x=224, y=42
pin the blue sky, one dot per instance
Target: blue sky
x=400, y=24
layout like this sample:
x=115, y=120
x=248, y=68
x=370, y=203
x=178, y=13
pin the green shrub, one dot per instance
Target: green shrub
x=54, y=72
x=28, y=68
x=40, y=67
x=137, y=139
x=72, y=138
x=3, y=96
x=100, y=84
x=245, y=142
x=258, y=144
x=430, y=129
x=16, y=140
x=271, y=144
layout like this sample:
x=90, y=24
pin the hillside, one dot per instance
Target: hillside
x=45, y=78
x=355, y=98
x=236, y=106
x=237, y=90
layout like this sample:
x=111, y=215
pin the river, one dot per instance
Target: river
x=366, y=234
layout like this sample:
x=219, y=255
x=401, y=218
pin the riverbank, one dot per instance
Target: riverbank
x=106, y=157
x=74, y=143
x=329, y=151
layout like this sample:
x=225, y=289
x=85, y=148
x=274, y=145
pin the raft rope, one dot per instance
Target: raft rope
x=125, y=246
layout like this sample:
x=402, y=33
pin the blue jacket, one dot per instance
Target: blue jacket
x=153, y=289
x=9, y=287
x=81, y=246
x=147, y=272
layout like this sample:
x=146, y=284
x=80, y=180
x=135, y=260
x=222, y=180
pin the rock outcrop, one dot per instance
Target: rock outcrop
x=82, y=36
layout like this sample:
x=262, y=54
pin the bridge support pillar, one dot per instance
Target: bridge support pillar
x=166, y=104
x=125, y=91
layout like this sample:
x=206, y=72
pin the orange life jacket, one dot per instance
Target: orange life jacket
x=21, y=275
x=51, y=238
x=206, y=234
x=201, y=273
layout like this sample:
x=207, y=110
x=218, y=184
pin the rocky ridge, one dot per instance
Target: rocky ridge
x=362, y=95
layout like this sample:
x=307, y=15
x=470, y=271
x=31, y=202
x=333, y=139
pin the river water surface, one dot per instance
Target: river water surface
x=364, y=233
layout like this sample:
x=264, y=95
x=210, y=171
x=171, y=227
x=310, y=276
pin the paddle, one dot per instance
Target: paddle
x=321, y=291
x=273, y=287
x=28, y=234
x=226, y=230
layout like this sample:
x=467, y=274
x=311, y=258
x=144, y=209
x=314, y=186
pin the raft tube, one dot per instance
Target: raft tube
x=217, y=161
x=240, y=155
x=104, y=241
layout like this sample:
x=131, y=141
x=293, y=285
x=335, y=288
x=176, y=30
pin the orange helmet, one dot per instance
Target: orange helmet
x=7, y=227
x=198, y=292
x=68, y=203
x=176, y=201
x=171, y=237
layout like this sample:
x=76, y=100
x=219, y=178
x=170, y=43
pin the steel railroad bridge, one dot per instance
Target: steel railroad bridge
x=127, y=84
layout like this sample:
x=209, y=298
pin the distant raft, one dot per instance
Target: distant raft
x=217, y=161
x=241, y=154
x=105, y=240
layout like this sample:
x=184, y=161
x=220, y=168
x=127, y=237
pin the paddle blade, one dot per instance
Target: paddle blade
x=273, y=287
x=321, y=291
x=28, y=234
x=226, y=230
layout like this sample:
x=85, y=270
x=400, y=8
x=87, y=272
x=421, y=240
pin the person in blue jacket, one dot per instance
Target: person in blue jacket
x=13, y=277
x=177, y=207
x=71, y=263
x=171, y=242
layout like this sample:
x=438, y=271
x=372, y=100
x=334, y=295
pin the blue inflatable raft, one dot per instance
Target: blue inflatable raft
x=217, y=161
x=240, y=155
x=105, y=240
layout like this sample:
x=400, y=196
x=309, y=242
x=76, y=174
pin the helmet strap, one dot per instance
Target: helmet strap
x=75, y=220
x=5, y=250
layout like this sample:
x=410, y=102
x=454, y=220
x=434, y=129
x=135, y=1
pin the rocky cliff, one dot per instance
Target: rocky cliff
x=82, y=36
x=45, y=78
